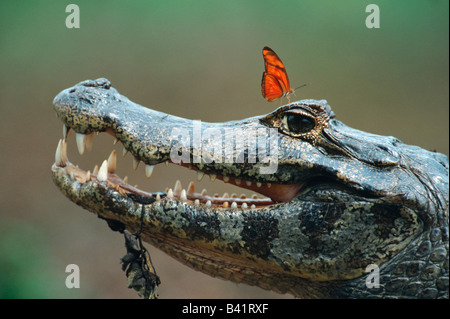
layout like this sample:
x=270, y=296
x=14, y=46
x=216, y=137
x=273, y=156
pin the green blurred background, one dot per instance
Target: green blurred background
x=200, y=60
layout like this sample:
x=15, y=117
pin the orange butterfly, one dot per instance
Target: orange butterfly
x=275, y=81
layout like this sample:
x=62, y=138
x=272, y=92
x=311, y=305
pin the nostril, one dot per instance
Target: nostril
x=72, y=90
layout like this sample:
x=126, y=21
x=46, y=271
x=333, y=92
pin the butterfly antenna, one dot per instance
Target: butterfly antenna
x=301, y=86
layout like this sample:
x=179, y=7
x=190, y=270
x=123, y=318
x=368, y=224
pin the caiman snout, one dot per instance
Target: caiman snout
x=236, y=152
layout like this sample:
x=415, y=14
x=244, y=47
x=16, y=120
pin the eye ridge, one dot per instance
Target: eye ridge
x=299, y=123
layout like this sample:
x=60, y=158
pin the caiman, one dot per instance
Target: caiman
x=342, y=213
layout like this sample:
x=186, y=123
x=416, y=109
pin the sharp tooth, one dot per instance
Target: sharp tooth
x=212, y=177
x=95, y=171
x=89, y=141
x=197, y=202
x=237, y=181
x=208, y=203
x=177, y=188
x=125, y=179
x=124, y=151
x=58, y=160
x=81, y=141
x=243, y=196
x=234, y=195
x=103, y=172
x=170, y=194
x=203, y=192
x=254, y=196
x=269, y=185
x=158, y=197
x=244, y=206
x=88, y=176
x=225, y=205
x=253, y=206
x=249, y=183
x=259, y=184
x=112, y=162
x=191, y=187
x=115, y=141
x=183, y=196
x=233, y=205
x=166, y=163
x=226, y=195
x=225, y=179
x=200, y=175
x=149, y=170
x=64, y=151
x=135, y=163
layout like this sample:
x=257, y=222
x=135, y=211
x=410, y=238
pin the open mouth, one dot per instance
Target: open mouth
x=268, y=193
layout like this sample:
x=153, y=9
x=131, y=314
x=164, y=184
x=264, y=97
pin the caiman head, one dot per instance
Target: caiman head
x=342, y=213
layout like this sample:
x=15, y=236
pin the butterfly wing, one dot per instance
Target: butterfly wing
x=270, y=87
x=275, y=67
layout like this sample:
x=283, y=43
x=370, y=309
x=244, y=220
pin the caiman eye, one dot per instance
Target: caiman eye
x=299, y=123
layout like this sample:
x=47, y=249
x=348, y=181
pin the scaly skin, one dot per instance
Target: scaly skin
x=339, y=200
